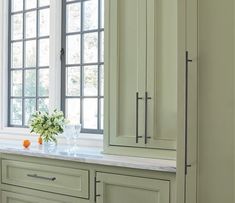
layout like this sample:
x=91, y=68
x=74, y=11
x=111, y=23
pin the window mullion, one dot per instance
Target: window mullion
x=81, y=68
x=37, y=52
x=99, y=55
x=56, y=65
x=23, y=71
x=9, y=64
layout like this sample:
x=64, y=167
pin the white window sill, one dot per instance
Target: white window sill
x=9, y=133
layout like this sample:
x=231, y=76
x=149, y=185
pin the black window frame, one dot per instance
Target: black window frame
x=100, y=63
x=23, y=68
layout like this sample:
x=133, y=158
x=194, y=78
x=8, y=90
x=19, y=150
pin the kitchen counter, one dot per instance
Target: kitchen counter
x=82, y=154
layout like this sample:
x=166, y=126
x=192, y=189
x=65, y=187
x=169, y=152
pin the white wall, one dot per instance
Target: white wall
x=216, y=101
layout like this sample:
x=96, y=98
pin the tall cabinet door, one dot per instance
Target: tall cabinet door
x=125, y=65
x=161, y=91
x=113, y=188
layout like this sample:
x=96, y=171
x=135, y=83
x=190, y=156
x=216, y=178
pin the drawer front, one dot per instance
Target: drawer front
x=10, y=197
x=73, y=182
x=37, y=197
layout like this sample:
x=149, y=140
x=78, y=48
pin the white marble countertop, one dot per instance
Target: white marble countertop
x=82, y=154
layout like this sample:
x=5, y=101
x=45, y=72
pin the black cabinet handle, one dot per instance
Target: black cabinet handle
x=187, y=61
x=146, y=137
x=95, y=190
x=137, y=117
x=41, y=177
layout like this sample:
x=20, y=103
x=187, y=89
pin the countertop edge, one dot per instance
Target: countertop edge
x=157, y=165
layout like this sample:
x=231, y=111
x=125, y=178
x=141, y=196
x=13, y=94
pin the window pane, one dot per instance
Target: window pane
x=30, y=4
x=84, y=78
x=102, y=80
x=102, y=47
x=102, y=114
x=73, y=111
x=44, y=22
x=102, y=13
x=17, y=5
x=30, y=53
x=30, y=108
x=29, y=59
x=90, y=113
x=43, y=105
x=30, y=83
x=44, y=52
x=16, y=83
x=16, y=55
x=30, y=27
x=44, y=3
x=73, y=23
x=73, y=49
x=90, y=48
x=73, y=81
x=91, y=81
x=43, y=84
x=17, y=26
x=90, y=15
x=16, y=112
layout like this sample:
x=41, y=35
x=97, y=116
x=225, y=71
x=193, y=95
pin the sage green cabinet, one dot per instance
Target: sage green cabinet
x=141, y=74
x=113, y=188
x=23, y=195
x=81, y=182
x=61, y=180
x=125, y=65
x=11, y=197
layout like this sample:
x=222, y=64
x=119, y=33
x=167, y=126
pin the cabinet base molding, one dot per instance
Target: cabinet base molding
x=140, y=152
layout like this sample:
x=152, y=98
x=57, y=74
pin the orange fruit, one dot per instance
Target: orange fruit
x=26, y=143
x=40, y=140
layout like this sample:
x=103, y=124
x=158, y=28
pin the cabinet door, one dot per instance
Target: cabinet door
x=162, y=49
x=125, y=65
x=10, y=197
x=127, y=189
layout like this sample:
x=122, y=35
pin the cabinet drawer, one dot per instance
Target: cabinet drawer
x=26, y=196
x=10, y=197
x=73, y=182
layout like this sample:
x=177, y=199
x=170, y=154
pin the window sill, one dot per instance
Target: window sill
x=8, y=133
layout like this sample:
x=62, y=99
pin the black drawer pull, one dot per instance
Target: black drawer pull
x=41, y=177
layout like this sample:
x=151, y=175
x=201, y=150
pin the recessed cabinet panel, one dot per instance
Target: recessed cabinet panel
x=10, y=197
x=22, y=195
x=162, y=73
x=127, y=64
x=68, y=181
x=141, y=57
x=126, y=189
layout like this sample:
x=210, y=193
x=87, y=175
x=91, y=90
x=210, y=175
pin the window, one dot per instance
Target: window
x=28, y=59
x=83, y=62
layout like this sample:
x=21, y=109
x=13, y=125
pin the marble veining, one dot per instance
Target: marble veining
x=90, y=155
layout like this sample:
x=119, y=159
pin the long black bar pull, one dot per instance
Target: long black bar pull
x=95, y=190
x=137, y=117
x=187, y=61
x=146, y=137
